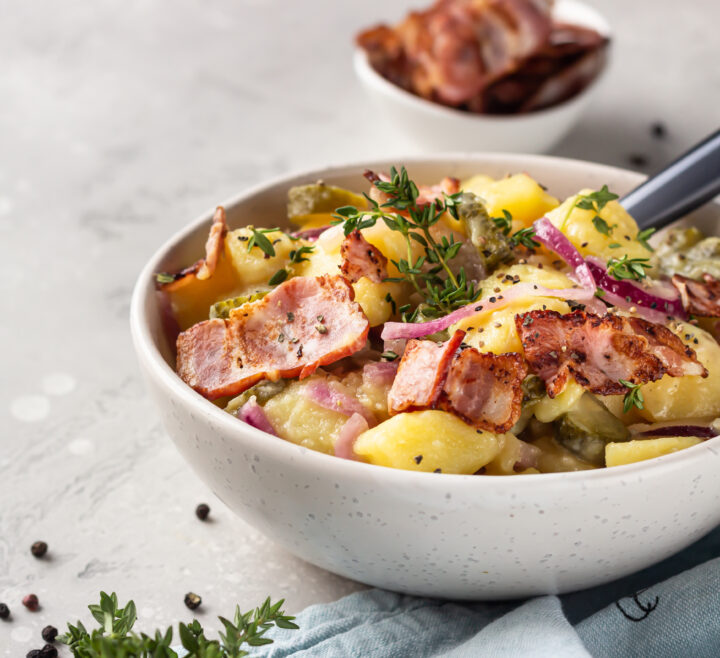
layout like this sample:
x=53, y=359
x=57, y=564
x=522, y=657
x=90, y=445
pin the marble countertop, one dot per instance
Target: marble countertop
x=121, y=121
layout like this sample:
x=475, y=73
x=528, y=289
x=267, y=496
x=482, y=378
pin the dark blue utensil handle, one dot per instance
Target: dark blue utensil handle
x=685, y=184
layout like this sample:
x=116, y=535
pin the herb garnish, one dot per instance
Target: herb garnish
x=258, y=239
x=298, y=255
x=524, y=237
x=114, y=638
x=278, y=277
x=389, y=355
x=643, y=237
x=634, y=396
x=504, y=223
x=596, y=201
x=628, y=268
x=164, y=277
x=441, y=289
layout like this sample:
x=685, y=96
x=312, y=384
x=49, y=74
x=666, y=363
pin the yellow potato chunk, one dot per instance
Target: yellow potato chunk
x=672, y=398
x=494, y=330
x=617, y=454
x=577, y=224
x=520, y=195
x=547, y=409
x=298, y=419
x=510, y=453
x=426, y=441
x=251, y=267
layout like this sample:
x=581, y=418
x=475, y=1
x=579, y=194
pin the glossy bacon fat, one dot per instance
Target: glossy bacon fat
x=361, y=259
x=301, y=325
x=699, y=297
x=600, y=351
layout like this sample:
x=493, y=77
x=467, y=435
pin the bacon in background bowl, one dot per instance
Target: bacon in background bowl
x=490, y=75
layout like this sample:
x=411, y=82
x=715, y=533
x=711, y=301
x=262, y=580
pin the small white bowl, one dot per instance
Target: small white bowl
x=453, y=536
x=434, y=127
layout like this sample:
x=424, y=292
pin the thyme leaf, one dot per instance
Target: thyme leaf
x=634, y=396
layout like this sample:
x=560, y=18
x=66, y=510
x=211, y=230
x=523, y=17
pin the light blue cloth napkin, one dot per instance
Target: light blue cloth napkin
x=671, y=609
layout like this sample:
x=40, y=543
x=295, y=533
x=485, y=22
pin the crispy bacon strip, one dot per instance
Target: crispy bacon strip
x=699, y=297
x=485, y=390
x=302, y=324
x=361, y=259
x=205, y=267
x=421, y=374
x=600, y=351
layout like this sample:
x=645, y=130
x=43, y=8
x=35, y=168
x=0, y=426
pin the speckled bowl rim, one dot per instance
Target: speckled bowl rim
x=149, y=355
x=370, y=76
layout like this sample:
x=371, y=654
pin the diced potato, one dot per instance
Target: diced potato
x=577, y=224
x=510, y=453
x=251, y=267
x=615, y=405
x=520, y=195
x=427, y=441
x=617, y=454
x=548, y=409
x=494, y=330
x=191, y=298
x=672, y=398
x=298, y=419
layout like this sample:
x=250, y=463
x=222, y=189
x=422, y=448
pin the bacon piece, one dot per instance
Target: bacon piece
x=421, y=373
x=600, y=351
x=302, y=324
x=485, y=390
x=361, y=259
x=698, y=297
x=205, y=267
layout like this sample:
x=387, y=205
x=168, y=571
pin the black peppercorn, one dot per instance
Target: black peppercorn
x=658, y=130
x=48, y=651
x=49, y=633
x=39, y=548
x=4, y=611
x=192, y=601
x=31, y=602
x=202, y=511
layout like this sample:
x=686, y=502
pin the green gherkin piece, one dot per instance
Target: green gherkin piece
x=222, y=309
x=263, y=391
x=492, y=244
x=587, y=427
x=320, y=198
x=688, y=252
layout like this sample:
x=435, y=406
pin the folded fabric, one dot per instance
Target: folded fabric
x=669, y=610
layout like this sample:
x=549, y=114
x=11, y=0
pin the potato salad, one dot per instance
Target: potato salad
x=477, y=327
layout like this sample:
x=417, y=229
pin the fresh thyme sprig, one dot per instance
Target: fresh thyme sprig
x=524, y=237
x=628, y=268
x=643, y=237
x=441, y=289
x=296, y=256
x=634, y=396
x=596, y=201
x=114, y=638
x=504, y=223
x=258, y=239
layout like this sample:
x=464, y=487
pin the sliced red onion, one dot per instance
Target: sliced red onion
x=353, y=427
x=380, y=373
x=320, y=392
x=555, y=240
x=253, y=414
x=700, y=431
x=406, y=330
x=310, y=234
x=528, y=457
x=626, y=294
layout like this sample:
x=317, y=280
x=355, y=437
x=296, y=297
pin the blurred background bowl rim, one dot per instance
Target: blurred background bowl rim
x=151, y=358
x=370, y=77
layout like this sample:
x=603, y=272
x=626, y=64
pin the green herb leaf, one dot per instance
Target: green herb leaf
x=602, y=226
x=524, y=237
x=634, y=396
x=389, y=355
x=643, y=237
x=258, y=239
x=628, y=268
x=596, y=200
x=164, y=277
x=504, y=223
x=297, y=255
x=278, y=277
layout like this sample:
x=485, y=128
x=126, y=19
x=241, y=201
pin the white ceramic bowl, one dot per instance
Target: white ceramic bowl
x=434, y=127
x=455, y=536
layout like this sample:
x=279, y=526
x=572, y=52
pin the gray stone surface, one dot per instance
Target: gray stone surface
x=119, y=122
